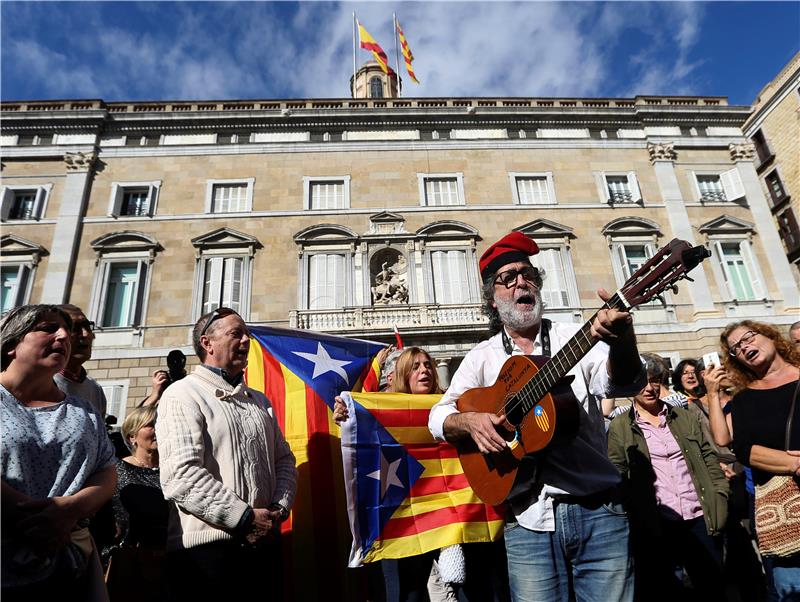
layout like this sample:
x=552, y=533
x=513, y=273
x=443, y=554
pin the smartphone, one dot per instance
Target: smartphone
x=710, y=359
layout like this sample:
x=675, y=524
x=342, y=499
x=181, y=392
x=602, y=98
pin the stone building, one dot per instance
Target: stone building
x=354, y=215
x=774, y=129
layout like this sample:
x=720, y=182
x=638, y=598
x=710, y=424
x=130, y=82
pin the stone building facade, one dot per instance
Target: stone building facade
x=351, y=216
x=774, y=129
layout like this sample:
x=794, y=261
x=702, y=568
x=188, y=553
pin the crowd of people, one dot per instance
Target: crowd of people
x=677, y=482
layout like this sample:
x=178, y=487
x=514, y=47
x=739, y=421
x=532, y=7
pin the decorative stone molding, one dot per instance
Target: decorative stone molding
x=742, y=152
x=79, y=161
x=661, y=151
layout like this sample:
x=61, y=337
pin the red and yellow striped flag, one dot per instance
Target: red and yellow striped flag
x=406, y=492
x=369, y=43
x=407, y=55
x=301, y=372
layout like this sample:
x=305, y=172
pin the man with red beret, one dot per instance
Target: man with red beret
x=566, y=535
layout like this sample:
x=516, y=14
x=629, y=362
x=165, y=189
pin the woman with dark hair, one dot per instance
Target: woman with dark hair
x=764, y=368
x=686, y=379
x=674, y=492
x=57, y=464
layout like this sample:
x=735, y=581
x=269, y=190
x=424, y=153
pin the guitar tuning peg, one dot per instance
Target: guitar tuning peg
x=689, y=279
x=674, y=289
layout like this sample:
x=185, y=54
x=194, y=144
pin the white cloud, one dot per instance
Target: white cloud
x=263, y=50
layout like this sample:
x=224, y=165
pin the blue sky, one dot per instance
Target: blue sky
x=227, y=50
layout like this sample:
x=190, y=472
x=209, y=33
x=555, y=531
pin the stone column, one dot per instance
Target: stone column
x=742, y=156
x=662, y=156
x=443, y=369
x=67, y=234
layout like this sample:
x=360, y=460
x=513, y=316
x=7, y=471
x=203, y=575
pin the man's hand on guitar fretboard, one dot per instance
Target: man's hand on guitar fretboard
x=481, y=426
x=610, y=324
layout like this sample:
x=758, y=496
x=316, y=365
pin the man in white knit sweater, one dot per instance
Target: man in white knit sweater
x=226, y=467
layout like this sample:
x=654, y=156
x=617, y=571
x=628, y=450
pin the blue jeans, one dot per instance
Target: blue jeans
x=587, y=556
x=786, y=575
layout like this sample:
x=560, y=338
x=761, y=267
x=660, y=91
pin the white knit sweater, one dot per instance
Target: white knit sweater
x=220, y=451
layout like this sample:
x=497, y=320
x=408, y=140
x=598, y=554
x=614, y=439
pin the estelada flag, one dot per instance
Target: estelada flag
x=369, y=43
x=406, y=492
x=407, y=55
x=301, y=372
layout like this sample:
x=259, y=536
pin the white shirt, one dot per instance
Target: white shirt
x=580, y=467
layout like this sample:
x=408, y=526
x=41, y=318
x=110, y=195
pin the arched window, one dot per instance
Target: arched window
x=375, y=87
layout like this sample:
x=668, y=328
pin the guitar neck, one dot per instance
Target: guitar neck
x=564, y=360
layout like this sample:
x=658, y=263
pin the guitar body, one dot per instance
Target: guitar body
x=552, y=417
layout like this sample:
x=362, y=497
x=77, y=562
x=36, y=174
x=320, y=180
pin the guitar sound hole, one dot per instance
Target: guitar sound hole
x=513, y=408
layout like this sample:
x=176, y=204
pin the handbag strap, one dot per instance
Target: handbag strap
x=791, y=415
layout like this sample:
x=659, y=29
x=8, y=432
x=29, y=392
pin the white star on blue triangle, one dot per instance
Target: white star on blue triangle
x=324, y=363
x=387, y=474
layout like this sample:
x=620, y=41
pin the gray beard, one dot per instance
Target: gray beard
x=518, y=319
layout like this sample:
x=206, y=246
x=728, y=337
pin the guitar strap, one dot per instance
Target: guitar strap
x=544, y=330
x=529, y=470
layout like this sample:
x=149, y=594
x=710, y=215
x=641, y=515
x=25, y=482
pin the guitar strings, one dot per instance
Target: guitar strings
x=547, y=376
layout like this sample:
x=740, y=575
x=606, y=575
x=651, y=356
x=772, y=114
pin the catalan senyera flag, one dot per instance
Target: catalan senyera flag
x=407, y=55
x=301, y=372
x=406, y=492
x=369, y=43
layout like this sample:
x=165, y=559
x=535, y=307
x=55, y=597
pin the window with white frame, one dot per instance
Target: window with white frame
x=222, y=283
x=223, y=272
x=116, y=392
x=617, y=188
x=321, y=193
x=229, y=196
x=122, y=279
x=133, y=199
x=451, y=284
x=725, y=186
x=18, y=260
x=14, y=279
x=739, y=269
x=533, y=189
x=123, y=285
x=441, y=190
x=24, y=202
x=327, y=280
x=628, y=257
x=557, y=276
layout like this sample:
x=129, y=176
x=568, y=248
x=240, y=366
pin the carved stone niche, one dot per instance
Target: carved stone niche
x=388, y=271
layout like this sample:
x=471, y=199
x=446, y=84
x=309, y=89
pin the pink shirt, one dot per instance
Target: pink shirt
x=675, y=492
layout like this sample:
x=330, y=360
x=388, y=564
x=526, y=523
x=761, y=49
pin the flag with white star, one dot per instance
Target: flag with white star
x=301, y=372
x=406, y=492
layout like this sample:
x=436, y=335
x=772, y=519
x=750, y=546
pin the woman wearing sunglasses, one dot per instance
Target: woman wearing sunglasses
x=765, y=370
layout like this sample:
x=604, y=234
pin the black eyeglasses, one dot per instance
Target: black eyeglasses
x=737, y=346
x=528, y=273
x=81, y=325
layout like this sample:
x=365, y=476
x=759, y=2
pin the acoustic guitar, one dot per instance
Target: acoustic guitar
x=534, y=394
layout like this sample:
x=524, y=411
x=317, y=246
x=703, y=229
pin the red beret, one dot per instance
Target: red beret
x=512, y=247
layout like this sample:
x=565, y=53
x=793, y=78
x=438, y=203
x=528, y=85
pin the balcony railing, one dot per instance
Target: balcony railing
x=385, y=318
x=713, y=196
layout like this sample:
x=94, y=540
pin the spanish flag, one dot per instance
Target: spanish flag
x=369, y=43
x=407, y=55
x=406, y=492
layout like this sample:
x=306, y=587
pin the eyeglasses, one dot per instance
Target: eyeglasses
x=688, y=373
x=529, y=274
x=81, y=325
x=214, y=316
x=737, y=346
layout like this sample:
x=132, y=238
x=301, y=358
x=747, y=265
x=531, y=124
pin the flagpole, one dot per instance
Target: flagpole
x=353, y=92
x=396, y=57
